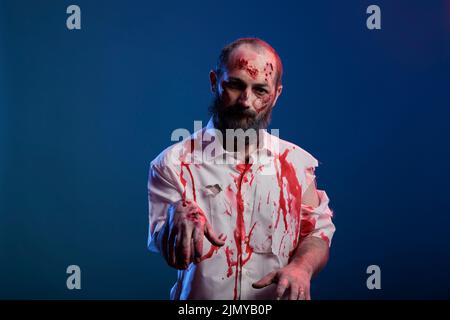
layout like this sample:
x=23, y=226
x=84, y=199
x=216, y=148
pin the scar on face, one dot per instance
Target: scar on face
x=268, y=70
x=262, y=103
x=243, y=64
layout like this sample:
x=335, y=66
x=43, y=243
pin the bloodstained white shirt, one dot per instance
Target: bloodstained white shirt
x=258, y=207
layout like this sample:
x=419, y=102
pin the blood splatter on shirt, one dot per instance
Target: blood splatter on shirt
x=258, y=206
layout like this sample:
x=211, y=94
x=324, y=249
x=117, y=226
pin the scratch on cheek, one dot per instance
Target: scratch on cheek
x=263, y=102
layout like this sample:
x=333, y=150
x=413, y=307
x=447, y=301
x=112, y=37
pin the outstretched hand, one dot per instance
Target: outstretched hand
x=182, y=239
x=291, y=277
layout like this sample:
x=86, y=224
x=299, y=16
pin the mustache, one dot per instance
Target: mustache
x=238, y=111
x=237, y=116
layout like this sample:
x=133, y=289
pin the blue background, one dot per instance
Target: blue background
x=82, y=113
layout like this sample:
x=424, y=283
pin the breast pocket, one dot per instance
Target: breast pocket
x=218, y=207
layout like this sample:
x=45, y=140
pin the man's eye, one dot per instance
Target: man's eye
x=261, y=90
x=233, y=85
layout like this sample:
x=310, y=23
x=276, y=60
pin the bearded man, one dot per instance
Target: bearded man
x=246, y=221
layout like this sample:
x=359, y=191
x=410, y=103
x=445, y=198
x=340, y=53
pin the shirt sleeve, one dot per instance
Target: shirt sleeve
x=162, y=192
x=317, y=222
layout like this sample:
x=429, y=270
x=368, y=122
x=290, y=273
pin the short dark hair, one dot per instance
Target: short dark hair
x=255, y=42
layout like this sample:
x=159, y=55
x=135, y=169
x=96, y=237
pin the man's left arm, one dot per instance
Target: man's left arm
x=312, y=253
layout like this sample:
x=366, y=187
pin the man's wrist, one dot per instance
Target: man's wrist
x=302, y=265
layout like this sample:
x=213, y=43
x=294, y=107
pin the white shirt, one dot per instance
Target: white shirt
x=258, y=207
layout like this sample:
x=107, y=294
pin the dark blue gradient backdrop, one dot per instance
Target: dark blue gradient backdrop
x=82, y=113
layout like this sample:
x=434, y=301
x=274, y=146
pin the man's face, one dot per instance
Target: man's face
x=246, y=91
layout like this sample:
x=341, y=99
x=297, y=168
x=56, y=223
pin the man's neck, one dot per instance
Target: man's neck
x=246, y=148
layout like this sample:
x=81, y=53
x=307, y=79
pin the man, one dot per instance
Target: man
x=248, y=221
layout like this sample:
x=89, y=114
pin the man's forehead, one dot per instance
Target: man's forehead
x=253, y=54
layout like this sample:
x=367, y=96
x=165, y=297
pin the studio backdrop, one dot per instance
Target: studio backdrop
x=83, y=111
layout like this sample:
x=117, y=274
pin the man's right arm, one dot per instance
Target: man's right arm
x=177, y=226
x=162, y=193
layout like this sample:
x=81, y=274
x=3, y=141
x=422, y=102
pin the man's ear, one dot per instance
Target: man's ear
x=277, y=94
x=213, y=81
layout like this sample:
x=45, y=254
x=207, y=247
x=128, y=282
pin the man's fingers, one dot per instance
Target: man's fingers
x=164, y=241
x=212, y=237
x=197, y=236
x=283, y=283
x=265, y=281
x=294, y=294
x=171, y=247
x=308, y=294
x=302, y=294
x=177, y=249
x=186, y=243
x=183, y=249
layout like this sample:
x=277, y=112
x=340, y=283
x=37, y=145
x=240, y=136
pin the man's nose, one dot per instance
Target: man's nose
x=244, y=98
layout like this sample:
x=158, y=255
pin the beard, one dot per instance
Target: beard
x=238, y=116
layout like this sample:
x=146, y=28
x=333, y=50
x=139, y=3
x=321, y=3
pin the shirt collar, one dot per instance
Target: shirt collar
x=267, y=147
